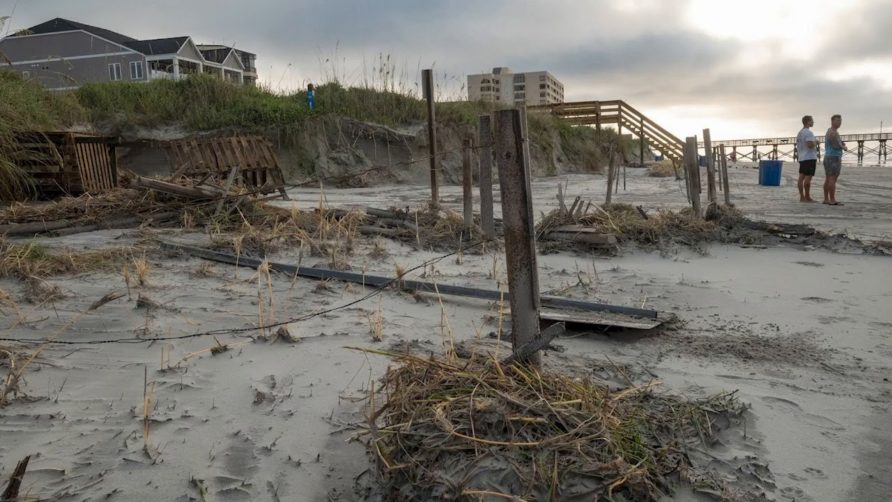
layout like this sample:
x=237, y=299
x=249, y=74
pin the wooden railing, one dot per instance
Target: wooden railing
x=619, y=113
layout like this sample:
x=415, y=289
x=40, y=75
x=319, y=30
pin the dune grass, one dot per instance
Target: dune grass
x=202, y=103
x=25, y=106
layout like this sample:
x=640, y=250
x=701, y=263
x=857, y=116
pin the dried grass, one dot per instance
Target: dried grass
x=442, y=230
x=376, y=325
x=629, y=225
x=267, y=230
x=32, y=259
x=142, y=269
x=91, y=209
x=665, y=169
x=457, y=427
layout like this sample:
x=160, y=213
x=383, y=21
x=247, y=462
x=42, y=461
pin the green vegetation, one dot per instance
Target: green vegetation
x=204, y=103
x=25, y=106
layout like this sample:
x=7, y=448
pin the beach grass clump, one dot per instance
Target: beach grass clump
x=202, y=103
x=34, y=260
x=665, y=169
x=630, y=224
x=465, y=429
x=26, y=106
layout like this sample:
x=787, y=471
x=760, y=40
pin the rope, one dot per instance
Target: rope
x=233, y=331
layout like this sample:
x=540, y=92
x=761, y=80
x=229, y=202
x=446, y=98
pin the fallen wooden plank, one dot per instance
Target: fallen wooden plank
x=385, y=232
x=601, y=319
x=553, y=302
x=68, y=227
x=173, y=188
x=584, y=237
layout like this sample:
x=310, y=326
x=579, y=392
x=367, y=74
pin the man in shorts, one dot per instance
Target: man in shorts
x=806, y=147
x=833, y=150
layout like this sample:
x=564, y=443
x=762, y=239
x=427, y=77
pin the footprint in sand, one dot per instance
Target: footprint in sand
x=815, y=473
x=808, y=264
x=796, y=410
x=816, y=299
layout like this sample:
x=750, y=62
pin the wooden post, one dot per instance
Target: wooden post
x=610, y=170
x=520, y=237
x=226, y=190
x=710, y=167
x=427, y=84
x=598, y=120
x=641, y=143
x=693, y=171
x=485, y=180
x=686, y=166
x=725, y=183
x=467, y=182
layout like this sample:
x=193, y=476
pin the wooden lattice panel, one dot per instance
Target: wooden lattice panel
x=217, y=156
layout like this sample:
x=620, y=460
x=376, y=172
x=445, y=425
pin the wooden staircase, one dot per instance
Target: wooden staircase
x=619, y=112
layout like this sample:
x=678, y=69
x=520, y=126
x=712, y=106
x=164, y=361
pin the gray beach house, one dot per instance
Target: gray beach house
x=62, y=54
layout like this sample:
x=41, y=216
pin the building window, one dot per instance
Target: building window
x=485, y=81
x=520, y=78
x=114, y=71
x=541, y=94
x=541, y=86
x=541, y=78
x=136, y=72
x=519, y=87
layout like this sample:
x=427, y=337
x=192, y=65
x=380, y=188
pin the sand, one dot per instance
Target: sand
x=803, y=335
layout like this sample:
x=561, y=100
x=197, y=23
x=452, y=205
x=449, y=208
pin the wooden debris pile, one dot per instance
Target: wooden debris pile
x=426, y=228
x=140, y=202
x=117, y=208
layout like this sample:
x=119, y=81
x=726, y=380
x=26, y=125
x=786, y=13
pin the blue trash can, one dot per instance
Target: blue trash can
x=770, y=172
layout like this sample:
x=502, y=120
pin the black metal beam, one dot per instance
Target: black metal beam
x=381, y=281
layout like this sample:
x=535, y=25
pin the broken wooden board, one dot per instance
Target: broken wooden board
x=601, y=319
x=580, y=234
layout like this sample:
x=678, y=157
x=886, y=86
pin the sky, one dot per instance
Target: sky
x=741, y=68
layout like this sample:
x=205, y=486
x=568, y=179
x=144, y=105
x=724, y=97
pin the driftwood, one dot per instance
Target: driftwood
x=385, y=232
x=15, y=229
x=11, y=492
x=69, y=227
x=580, y=234
x=382, y=213
x=204, y=192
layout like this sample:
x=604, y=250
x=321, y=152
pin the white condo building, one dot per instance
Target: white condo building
x=505, y=86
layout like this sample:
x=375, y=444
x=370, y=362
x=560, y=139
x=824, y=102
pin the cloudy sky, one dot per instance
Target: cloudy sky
x=743, y=68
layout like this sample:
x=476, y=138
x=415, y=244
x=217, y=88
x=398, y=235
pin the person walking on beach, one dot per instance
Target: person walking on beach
x=806, y=146
x=833, y=150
